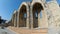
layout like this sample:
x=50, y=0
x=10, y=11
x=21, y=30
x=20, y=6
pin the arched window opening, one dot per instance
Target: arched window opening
x=41, y=14
x=23, y=16
x=37, y=14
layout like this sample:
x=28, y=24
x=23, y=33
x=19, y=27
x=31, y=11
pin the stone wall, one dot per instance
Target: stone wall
x=50, y=15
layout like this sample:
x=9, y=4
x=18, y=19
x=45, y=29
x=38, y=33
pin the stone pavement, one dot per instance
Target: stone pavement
x=22, y=30
x=6, y=31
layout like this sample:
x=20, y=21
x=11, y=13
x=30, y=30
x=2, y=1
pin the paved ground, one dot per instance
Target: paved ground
x=29, y=31
x=6, y=31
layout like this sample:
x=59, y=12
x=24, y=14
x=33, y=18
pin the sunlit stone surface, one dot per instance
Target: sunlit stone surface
x=50, y=16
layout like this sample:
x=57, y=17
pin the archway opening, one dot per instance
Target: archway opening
x=37, y=13
x=23, y=16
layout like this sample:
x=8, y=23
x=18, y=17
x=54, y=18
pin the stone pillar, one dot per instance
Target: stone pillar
x=31, y=17
x=43, y=19
x=18, y=19
x=27, y=23
x=14, y=20
x=44, y=23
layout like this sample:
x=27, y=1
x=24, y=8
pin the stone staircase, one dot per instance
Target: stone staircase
x=29, y=31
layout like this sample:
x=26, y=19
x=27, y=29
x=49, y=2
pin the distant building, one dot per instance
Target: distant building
x=2, y=20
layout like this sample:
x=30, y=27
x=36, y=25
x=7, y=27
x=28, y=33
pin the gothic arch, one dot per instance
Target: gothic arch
x=23, y=14
x=38, y=5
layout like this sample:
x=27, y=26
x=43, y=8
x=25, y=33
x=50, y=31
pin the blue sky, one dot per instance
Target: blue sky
x=8, y=6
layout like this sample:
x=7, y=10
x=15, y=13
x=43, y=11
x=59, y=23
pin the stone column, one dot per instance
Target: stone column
x=27, y=23
x=44, y=23
x=31, y=17
x=43, y=20
x=18, y=19
x=14, y=20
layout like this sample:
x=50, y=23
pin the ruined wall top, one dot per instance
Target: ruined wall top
x=40, y=0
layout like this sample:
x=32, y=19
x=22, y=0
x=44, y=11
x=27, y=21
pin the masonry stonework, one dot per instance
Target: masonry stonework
x=38, y=14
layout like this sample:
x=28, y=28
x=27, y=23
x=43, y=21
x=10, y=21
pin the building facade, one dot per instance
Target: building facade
x=38, y=14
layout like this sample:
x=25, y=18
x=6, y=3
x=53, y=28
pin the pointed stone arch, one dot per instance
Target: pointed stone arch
x=40, y=7
x=23, y=15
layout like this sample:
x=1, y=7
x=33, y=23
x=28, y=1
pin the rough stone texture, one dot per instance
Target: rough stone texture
x=55, y=17
x=29, y=31
x=50, y=16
